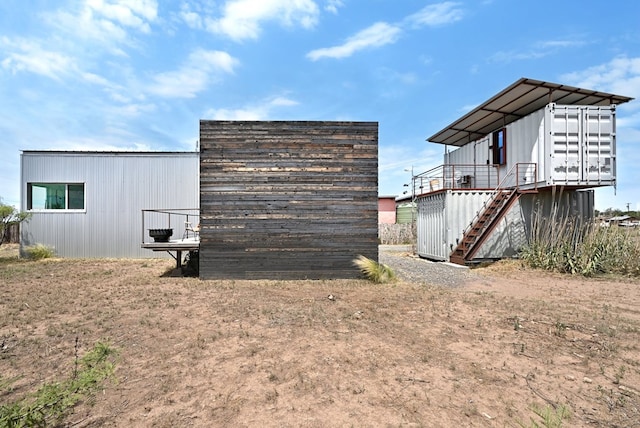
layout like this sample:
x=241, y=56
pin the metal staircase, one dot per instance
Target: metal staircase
x=487, y=219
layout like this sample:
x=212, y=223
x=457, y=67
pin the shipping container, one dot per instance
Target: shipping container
x=444, y=216
x=571, y=146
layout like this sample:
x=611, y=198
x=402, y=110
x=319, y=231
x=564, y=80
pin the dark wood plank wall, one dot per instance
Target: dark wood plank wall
x=287, y=200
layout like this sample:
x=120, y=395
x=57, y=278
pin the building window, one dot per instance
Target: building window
x=55, y=196
x=499, y=147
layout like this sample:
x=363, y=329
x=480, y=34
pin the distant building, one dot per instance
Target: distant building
x=386, y=209
x=623, y=221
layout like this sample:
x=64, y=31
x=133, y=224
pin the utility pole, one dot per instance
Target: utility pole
x=413, y=210
x=628, y=204
x=413, y=192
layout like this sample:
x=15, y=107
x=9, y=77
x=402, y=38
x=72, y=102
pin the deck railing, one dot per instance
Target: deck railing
x=456, y=176
x=173, y=218
x=473, y=176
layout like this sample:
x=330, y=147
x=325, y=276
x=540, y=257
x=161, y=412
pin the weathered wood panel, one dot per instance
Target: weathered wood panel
x=287, y=200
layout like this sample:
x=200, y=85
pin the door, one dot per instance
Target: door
x=582, y=145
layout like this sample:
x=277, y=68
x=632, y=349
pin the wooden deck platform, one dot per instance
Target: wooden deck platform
x=177, y=245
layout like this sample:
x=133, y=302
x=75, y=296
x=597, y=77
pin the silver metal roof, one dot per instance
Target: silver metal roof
x=518, y=100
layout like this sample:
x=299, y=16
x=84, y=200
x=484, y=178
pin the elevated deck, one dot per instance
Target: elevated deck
x=176, y=245
x=180, y=222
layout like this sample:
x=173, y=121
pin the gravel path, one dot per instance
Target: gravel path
x=414, y=269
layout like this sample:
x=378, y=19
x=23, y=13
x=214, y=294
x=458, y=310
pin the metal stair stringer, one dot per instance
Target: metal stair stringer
x=484, y=224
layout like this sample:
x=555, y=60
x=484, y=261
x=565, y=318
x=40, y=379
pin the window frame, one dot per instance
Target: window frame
x=66, y=208
x=499, y=146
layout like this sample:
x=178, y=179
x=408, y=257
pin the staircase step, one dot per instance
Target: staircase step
x=457, y=260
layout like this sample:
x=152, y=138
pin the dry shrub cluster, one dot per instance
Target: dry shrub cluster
x=396, y=234
x=571, y=246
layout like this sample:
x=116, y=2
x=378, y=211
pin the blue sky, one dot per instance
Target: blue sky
x=140, y=74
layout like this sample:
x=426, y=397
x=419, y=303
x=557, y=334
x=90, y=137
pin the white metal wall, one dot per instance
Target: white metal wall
x=474, y=153
x=118, y=185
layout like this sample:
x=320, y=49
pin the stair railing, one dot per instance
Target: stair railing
x=520, y=174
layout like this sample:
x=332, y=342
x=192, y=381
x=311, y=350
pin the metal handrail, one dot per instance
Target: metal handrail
x=520, y=174
x=180, y=212
x=456, y=176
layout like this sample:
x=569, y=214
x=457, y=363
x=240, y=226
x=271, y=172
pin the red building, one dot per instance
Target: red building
x=386, y=209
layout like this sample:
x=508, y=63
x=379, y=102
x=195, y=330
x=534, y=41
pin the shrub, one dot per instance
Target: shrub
x=374, y=271
x=571, y=246
x=40, y=251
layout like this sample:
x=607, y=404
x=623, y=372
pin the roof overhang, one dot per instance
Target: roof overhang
x=518, y=100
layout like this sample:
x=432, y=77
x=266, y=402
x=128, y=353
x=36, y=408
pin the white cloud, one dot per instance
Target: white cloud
x=260, y=111
x=242, y=19
x=379, y=34
x=333, y=5
x=80, y=144
x=30, y=56
x=509, y=56
x=111, y=23
x=383, y=33
x=620, y=76
x=467, y=108
x=437, y=14
x=283, y=102
x=192, y=18
x=538, y=50
x=201, y=69
x=552, y=44
x=129, y=13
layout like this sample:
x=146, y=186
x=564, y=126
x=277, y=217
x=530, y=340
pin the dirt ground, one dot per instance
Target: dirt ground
x=491, y=353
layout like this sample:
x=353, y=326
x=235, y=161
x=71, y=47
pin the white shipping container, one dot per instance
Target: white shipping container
x=571, y=145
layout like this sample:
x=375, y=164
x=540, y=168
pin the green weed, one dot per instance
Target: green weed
x=548, y=416
x=53, y=401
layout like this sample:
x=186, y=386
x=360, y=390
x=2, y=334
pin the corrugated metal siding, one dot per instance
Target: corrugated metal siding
x=118, y=185
x=406, y=213
x=581, y=145
x=443, y=217
x=549, y=204
x=525, y=142
x=431, y=227
x=287, y=200
x=507, y=238
x=474, y=153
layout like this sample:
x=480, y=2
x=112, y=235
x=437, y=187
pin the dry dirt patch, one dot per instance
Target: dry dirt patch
x=281, y=353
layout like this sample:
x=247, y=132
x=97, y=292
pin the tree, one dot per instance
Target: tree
x=9, y=216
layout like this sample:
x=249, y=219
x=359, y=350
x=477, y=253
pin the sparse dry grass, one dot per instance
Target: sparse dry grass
x=281, y=353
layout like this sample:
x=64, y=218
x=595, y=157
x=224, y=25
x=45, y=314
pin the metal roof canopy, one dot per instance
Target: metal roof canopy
x=518, y=100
